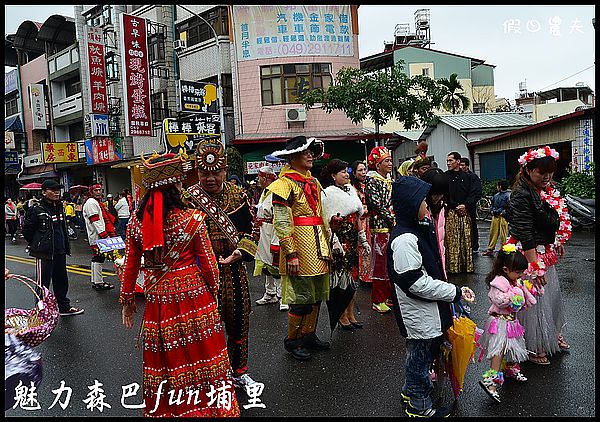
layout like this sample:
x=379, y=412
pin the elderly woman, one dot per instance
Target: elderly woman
x=540, y=222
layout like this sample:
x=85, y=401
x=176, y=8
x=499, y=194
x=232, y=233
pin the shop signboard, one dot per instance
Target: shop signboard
x=188, y=131
x=96, y=69
x=198, y=97
x=102, y=150
x=136, y=76
x=9, y=139
x=252, y=167
x=59, y=152
x=38, y=105
x=264, y=32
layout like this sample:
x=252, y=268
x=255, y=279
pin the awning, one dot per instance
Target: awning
x=13, y=123
x=353, y=134
x=43, y=175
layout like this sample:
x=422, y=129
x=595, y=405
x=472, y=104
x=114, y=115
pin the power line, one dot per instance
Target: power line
x=568, y=77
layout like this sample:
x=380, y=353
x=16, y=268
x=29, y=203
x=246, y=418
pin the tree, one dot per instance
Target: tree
x=235, y=162
x=380, y=96
x=453, y=99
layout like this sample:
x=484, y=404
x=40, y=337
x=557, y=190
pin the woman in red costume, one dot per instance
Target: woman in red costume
x=184, y=344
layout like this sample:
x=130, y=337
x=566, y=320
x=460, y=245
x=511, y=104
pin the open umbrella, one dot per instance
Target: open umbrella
x=31, y=186
x=77, y=189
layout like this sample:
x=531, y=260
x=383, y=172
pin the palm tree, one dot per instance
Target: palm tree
x=453, y=100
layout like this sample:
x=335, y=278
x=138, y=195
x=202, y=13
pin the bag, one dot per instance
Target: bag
x=22, y=364
x=32, y=326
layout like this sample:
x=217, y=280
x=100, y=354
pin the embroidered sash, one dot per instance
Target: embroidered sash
x=216, y=214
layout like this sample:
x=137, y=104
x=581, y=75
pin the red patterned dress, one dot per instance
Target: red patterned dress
x=182, y=335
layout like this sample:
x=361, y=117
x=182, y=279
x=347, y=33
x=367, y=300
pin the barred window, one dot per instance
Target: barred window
x=198, y=31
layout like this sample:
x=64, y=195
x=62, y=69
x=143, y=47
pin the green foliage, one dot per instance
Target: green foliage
x=235, y=162
x=582, y=184
x=488, y=187
x=379, y=96
x=454, y=100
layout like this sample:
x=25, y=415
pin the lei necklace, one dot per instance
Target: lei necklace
x=552, y=197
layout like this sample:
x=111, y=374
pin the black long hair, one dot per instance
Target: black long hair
x=171, y=200
x=334, y=166
x=438, y=179
x=355, y=182
x=514, y=261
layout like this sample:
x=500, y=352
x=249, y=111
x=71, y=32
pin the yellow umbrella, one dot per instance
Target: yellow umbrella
x=462, y=337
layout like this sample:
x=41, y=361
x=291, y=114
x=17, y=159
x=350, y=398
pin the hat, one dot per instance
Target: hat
x=165, y=169
x=299, y=144
x=377, y=155
x=211, y=156
x=95, y=186
x=109, y=195
x=267, y=172
x=51, y=184
x=406, y=167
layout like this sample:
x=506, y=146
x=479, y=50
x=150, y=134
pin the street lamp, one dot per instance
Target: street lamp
x=219, y=82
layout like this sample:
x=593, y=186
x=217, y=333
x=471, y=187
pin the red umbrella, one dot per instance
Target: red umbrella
x=77, y=189
x=32, y=186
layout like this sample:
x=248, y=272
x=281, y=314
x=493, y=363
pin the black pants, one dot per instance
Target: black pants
x=55, y=270
x=474, y=229
x=12, y=227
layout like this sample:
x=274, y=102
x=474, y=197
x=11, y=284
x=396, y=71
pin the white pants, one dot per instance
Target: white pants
x=273, y=286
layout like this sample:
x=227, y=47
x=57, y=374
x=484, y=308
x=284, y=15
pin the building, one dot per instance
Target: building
x=544, y=105
x=278, y=52
x=455, y=132
x=418, y=58
x=15, y=145
x=571, y=135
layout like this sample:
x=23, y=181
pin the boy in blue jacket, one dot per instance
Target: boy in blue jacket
x=420, y=293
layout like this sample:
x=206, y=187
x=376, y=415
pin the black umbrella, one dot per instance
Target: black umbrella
x=342, y=289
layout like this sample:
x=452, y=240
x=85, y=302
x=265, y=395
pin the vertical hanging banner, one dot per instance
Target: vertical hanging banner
x=38, y=105
x=136, y=76
x=95, y=50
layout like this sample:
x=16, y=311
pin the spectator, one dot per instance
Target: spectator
x=123, y=214
x=21, y=213
x=458, y=238
x=476, y=194
x=235, y=180
x=110, y=205
x=99, y=224
x=499, y=226
x=10, y=215
x=46, y=233
x=69, y=210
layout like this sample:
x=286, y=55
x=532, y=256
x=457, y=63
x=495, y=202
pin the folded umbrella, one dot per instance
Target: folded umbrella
x=462, y=338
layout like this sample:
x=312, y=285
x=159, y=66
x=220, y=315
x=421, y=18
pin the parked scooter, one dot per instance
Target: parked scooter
x=583, y=211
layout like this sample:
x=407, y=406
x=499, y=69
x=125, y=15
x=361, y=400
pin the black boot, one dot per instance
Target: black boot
x=312, y=342
x=296, y=349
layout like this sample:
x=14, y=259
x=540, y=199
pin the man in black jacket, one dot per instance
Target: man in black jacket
x=458, y=238
x=475, y=195
x=46, y=233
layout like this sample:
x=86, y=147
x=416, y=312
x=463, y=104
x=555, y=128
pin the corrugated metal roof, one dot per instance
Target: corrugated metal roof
x=485, y=120
x=413, y=135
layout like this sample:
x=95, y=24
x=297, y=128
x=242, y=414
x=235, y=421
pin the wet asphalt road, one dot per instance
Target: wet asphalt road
x=360, y=376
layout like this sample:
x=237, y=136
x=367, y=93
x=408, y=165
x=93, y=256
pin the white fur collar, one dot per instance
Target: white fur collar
x=336, y=200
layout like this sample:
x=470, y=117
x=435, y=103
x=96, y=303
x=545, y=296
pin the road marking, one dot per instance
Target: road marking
x=70, y=268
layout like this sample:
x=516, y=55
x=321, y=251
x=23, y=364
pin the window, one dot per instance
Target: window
x=425, y=71
x=198, y=31
x=99, y=16
x=11, y=106
x=478, y=107
x=160, y=107
x=72, y=86
x=227, y=87
x=156, y=47
x=112, y=69
x=283, y=84
x=76, y=132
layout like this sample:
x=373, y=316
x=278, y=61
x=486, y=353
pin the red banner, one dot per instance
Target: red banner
x=136, y=76
x=95, y=49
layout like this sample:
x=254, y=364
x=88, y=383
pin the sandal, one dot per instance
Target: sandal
x=492, y=393
x=539, y=360
x=562, y=344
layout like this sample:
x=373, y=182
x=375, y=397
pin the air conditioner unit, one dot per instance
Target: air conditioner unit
x=179, y=44
x=295, y=115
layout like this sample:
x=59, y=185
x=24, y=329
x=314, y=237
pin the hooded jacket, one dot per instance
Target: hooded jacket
x=421, y=295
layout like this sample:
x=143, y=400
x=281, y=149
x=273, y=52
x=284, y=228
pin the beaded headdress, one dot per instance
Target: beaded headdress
x=211, y=156
x=161, y=170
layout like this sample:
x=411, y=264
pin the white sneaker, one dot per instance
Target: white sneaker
x=243, y=380
x=283, y=306
x=267, y=298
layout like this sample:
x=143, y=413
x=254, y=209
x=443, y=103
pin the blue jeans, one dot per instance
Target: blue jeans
x=417, y=382
x=122, y=226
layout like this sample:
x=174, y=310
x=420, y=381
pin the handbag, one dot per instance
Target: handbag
x=32, y=326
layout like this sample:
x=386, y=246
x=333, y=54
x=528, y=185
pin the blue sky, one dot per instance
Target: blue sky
x=536, y=55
